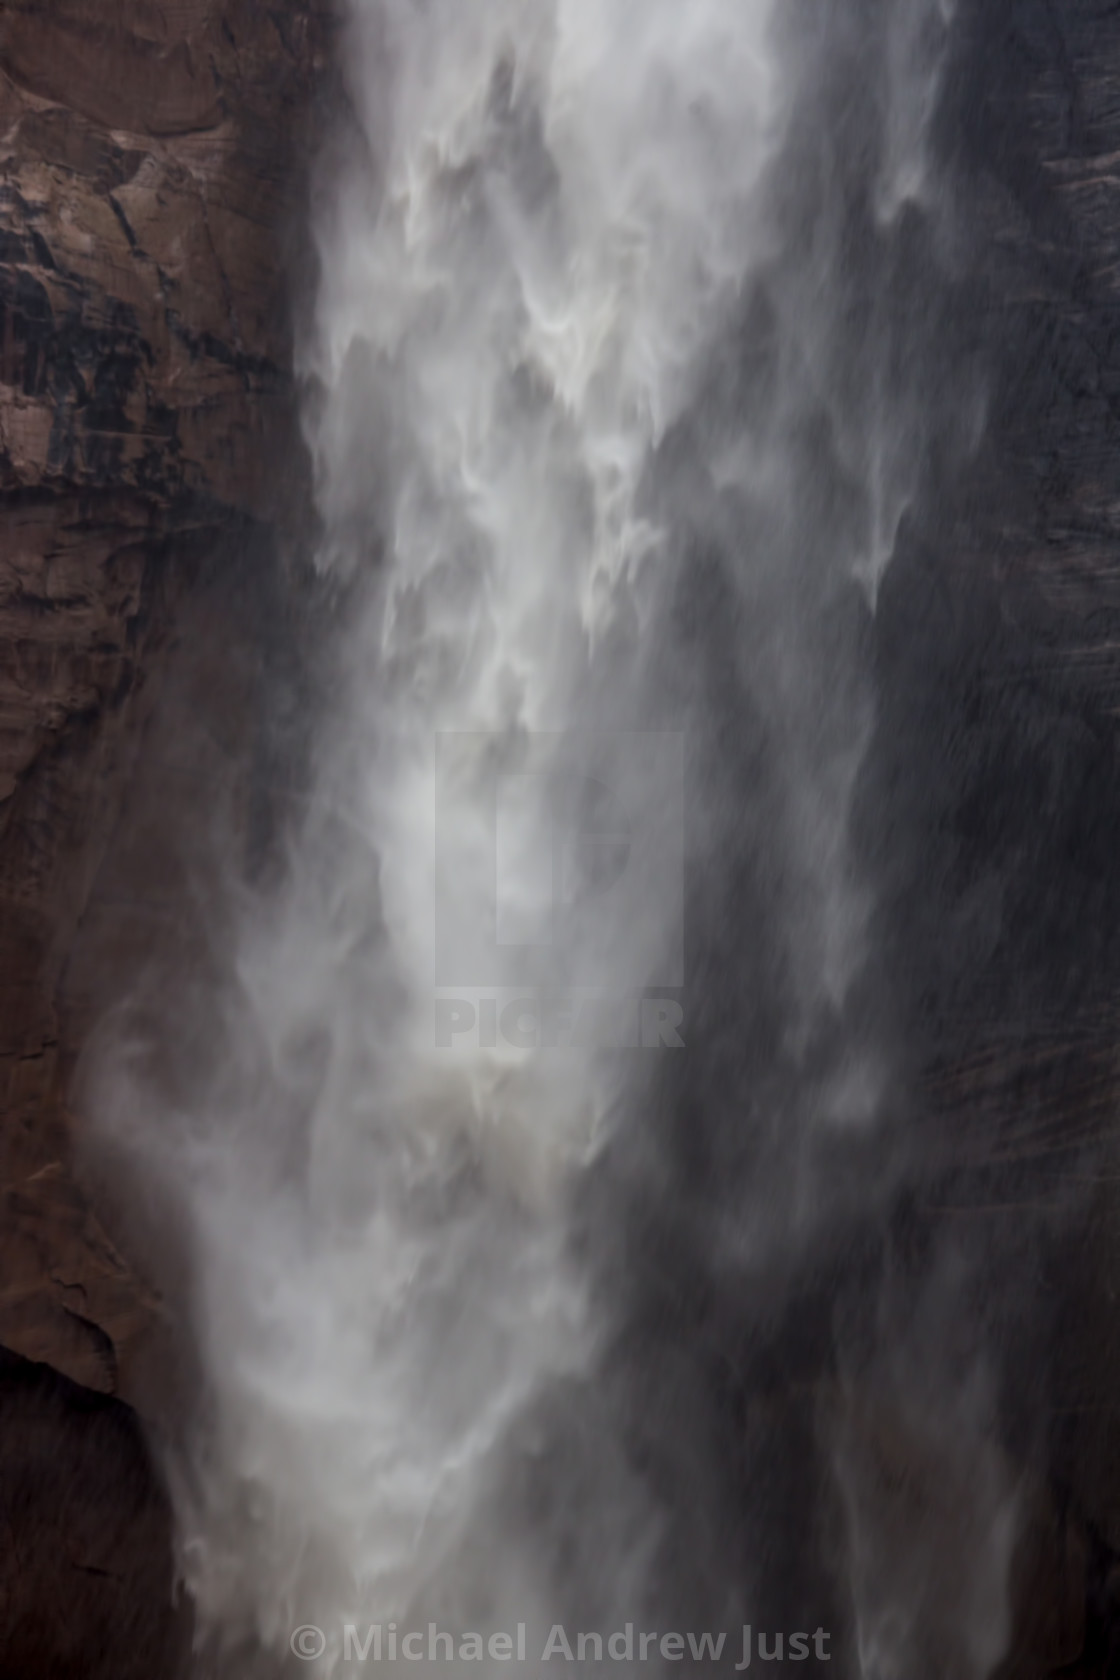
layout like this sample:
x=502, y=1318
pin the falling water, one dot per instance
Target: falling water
x=611, y=452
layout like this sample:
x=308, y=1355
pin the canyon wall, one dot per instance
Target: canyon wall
x=997, y=646
x=152, y=161
x=152, y=181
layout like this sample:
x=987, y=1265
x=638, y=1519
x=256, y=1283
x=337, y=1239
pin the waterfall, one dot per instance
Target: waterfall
x=611, y=453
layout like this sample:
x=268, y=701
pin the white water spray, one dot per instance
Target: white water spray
x=543, y=231
x=537, y=240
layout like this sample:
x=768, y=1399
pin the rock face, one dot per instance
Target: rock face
x=998, y=637
x=150, y=167
x=85, y=1569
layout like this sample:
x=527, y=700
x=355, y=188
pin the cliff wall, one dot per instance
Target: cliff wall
x=151, y=164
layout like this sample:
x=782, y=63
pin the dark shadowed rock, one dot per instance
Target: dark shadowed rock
x=86, y=1590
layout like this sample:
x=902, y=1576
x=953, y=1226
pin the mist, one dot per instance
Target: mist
x=630, y=358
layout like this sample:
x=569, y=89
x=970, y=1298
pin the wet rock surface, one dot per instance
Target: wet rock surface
x=151, y=165
x=152, y=169
x=998, y=642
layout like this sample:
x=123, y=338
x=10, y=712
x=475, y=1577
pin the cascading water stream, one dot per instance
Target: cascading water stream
x=540, y=254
